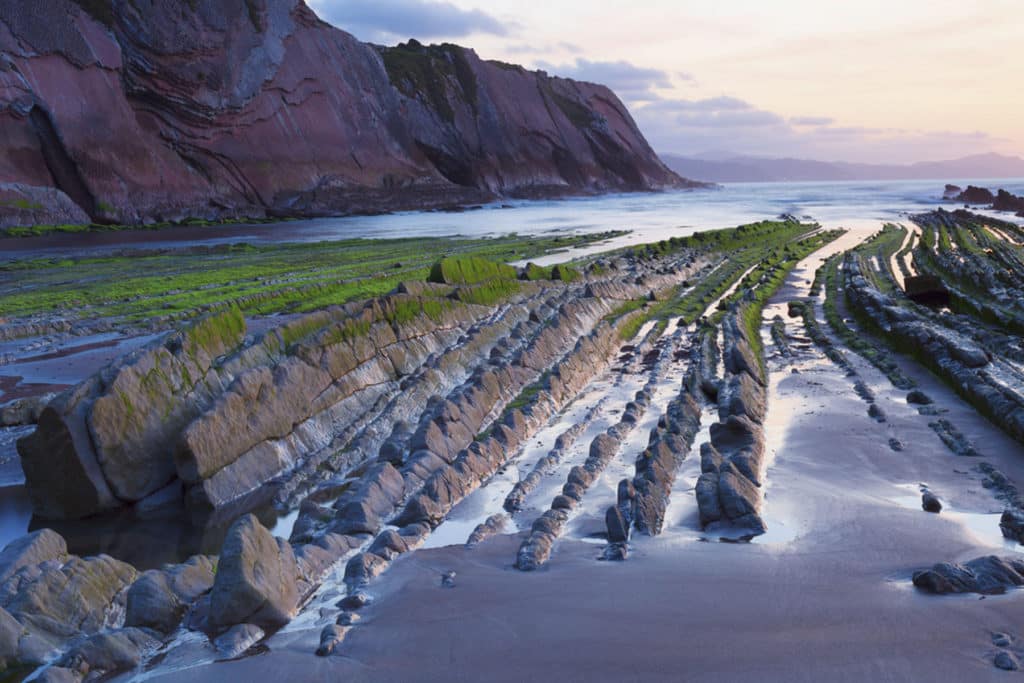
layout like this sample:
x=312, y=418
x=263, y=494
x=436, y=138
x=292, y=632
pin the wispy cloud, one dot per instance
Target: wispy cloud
x=731, y=124
x=630, y=82
x=390, y=20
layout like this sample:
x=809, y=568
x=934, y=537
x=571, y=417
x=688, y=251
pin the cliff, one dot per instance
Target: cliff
x=135, y=111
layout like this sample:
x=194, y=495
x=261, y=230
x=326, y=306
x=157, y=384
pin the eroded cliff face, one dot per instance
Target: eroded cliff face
x=146, y=110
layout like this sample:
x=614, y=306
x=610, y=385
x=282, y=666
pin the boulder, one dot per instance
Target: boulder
x=152, y=604
x=110, y=652
x=364, y=568
x=31, y=549
x=1007, y=661
x=990, y=575
x=330, y=638
x=918, y=397
x=159, y=598
x=256, y=578
x=930, y=502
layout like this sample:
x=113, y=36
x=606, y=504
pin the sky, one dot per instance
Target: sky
x=885, y=81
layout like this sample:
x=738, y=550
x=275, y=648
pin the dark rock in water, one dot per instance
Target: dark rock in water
x=1012, y=524
x=930, y=502
x=876, y=413
x=1006, y=201
x=1007, y=661
x=952, y=191
x=988, y=575
x=330, y=638
x=976, y=195
x=896, y=444
x=448, y=579
x=919, y=398
x=618, y=529
x=237, y=640
x=31, y=549
x=256, y=578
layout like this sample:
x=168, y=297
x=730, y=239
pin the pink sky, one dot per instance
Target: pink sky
x=875, y=80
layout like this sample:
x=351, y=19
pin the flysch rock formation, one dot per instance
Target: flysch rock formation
x=730, y=488
x=372, y=420
x=135, y=111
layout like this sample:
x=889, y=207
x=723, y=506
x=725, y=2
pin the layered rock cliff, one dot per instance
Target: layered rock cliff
x=137, y=111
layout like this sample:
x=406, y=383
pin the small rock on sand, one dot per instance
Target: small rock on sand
x=448, y=579
x=930, y=502
x=354, y=601
x=330, y=638
x=1001, y=640
x=1007, y=661
x=918, y=397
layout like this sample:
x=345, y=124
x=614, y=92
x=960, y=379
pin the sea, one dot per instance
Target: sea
x=856, y=205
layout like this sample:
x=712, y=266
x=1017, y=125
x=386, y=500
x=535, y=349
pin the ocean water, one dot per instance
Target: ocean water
x=650, y=216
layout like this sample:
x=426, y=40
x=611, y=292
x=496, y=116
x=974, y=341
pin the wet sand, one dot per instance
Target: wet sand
x=829, y=599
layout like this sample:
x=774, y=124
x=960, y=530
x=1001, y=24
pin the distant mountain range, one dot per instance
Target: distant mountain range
x=740, y=169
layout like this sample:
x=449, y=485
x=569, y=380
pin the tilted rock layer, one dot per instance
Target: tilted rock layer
x=138, y=111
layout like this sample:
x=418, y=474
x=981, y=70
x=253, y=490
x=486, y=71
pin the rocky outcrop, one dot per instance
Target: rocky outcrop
x=729, y=490
x=990, y=383
x=110, y=440
x=989, y=575
x=129, y=112
x=1006, y=201
x=51, y=601
x=976, y=195
x=646, y=496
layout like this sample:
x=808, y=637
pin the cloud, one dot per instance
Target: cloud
x=390, y=20
x=811, y=121
x=630, y=82
x=542, y=48
x=728, y=124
